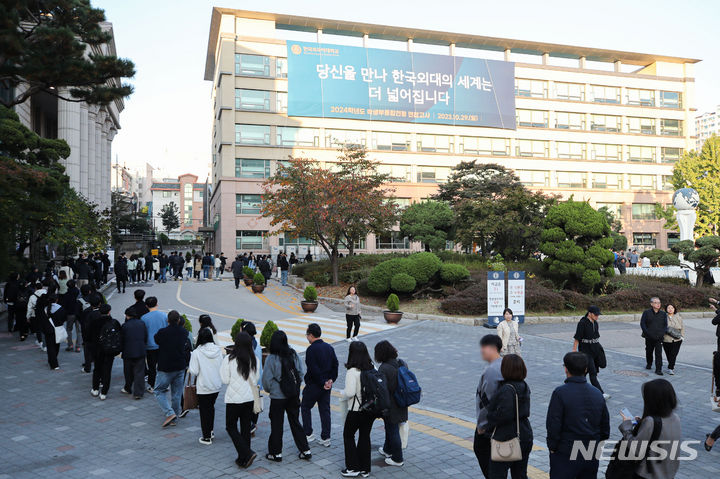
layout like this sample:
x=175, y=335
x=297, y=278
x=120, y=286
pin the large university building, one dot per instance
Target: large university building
x=600, y=125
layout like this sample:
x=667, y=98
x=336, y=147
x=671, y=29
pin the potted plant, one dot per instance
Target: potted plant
x=258, y=283
x=265, y=336
x=248, y=273
x=236, y=328
x=392, y=315
x=310, y=304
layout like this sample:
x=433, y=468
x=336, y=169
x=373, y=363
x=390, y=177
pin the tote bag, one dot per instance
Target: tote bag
x=60, y=332
x=507, y=451
x=190, y=399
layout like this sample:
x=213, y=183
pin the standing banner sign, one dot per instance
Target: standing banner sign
x=516, y=294
x=496, y=297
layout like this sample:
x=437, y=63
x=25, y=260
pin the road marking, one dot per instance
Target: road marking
x=179, y=299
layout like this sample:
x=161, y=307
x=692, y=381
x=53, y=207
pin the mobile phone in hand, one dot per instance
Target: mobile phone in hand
x=626, y=412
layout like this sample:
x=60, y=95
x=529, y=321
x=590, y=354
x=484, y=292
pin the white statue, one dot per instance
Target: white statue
x=686, y=201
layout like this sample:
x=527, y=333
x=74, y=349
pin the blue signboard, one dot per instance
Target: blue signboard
x=338, y=81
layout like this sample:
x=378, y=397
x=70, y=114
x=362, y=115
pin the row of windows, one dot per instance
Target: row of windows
x=259, y=66
x=600, y=123
x=289, y=136
x=579, y=179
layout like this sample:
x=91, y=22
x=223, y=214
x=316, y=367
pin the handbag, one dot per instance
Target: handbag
x=673, y=333
x=190, y=399
x=60, y=331
x=257, y=400
x=507, y=451
x=404, y=434
x=714, y=400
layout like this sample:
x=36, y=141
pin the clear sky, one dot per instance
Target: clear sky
x=167, y=121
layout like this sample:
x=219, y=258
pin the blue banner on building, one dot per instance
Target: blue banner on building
x=338, y=81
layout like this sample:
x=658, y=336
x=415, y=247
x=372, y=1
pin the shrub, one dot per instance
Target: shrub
x=423, y=266
x=259, y=279
x=267, y=333
x=393, y=303
x=236, y=328
x=470, y=301
x=362, y=288
x=379, y=279
x=248, y=271
x=355, y=275
x=310, y=293
x=403, y=283
x=320, y=278
x=453, y=273
x=188, y=324
x=576, y=301
x=669, y=259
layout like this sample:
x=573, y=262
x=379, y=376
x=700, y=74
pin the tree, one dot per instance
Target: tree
x=430, y=222
x=576, y=241
x=123, y=219
x=620, y=241
x=701, y=170
x=55, y=45
x=78, y=224
x=667, y=214
x=703, y=253
x=170, y=215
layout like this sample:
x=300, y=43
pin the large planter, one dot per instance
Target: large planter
x=309, y=306
x=392, y=317
x=248, y=281
x=258, y=288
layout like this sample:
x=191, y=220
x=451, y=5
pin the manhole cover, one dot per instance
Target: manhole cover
x=630, y=372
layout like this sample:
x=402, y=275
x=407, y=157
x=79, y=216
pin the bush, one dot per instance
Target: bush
x=310, y=294
x=318, y=277
x=188, y=324
x=379, y=279
x=453, y=273
x=403, y=283
x=259, y=279
x=576, y=301
x=353, y=276
x=423, y=266
x=267, y=333
x=362, y=288
x=393, y=303
x=236, y=328
x=248, y=271
x=669, y=259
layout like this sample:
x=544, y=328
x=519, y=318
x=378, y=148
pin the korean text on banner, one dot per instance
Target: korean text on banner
x=516, y=294
x=496, y=296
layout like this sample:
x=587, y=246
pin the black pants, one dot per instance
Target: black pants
x=561, y=467
x=352, y=319
x=237, y=282
x=102, y=372
x=357, y=454
x=316, y=394
x=121, y=282
x=21, y=323
x=88, y=355
x=716, y=433
x=481, y=447
x=671, y=352
x=518, y=469
x=653, y=346
x=716, y=371
x=593, y=371
x=53, y=349
x=134, y=370
x=151, y=357
x=241, y=439
x=278, y=409
x=206, y=406
x=11, y=317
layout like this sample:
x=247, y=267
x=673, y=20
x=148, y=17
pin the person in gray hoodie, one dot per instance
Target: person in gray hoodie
x=281, y=378
x=490, y=346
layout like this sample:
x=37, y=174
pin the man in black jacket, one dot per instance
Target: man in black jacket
x=10, y=297
x=89, y=316
x=322, y=372
x=134, y=338
x=139, y=307
x=102, y=372
x=173, y=357
x=237, y=270
x=653, y=323
x=284, y=268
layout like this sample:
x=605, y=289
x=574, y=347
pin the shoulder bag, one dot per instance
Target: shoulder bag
x=507, y=451
x=60, y=331
x=673, y=333
x=190, y=399
x=257, y=398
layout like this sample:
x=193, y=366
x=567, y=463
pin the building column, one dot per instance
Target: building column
x=582, y=63
x=92, y=150
x=84, y=148
x=545, y=58
x=69, y=130
x=100, y=162
x=507, y=54
x=107, y=170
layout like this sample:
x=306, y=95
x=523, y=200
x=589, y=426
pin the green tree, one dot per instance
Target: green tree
x=620, y=241
x=123, y=219
x=430, y=222
x=78, y=224
x=667, y=214
x=704, y=253
x=54, y=45
x=700, y=170
x=576, y=241
x=170, y=215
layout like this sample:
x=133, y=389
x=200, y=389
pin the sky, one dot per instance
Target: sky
x=168, y=119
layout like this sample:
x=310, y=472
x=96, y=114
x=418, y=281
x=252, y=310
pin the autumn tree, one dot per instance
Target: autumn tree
x=170, y=215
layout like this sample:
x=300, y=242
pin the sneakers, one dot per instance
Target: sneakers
x=168, y=420
x=184, y=413
x=253, y=430
x=103, y=397
x=606, y=396
x=310, y=438
x=659, y=373
x=94, y=393
x=212, y=434
x=274, y=457
x=124, y=391
x=349, y=473
x=671, y=372
x=150, y=389
x=324, y=442
x=56, y=369
x=383, y=453
x=206, y=441
x=249, y=462
x=390, y=462
x=306, y=456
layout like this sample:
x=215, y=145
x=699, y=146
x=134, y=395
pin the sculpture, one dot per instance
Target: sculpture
x=686, y=201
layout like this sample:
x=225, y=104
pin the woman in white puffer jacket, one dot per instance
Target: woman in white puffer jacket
x=205, y=363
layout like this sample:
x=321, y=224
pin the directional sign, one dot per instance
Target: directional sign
x=495, y=296
x=516, y=294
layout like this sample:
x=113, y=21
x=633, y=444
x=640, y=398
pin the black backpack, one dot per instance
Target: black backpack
x=374, y=393
x=290, y=379
x=623, y=463
x=109, y=339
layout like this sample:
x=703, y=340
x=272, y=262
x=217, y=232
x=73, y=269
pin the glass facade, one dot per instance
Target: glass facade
x=252, y=65
x=250, y=239
x=252, y=100
x=252, y=168
x=252, y=135
x=485, y=146
x=294, y=136
x=390, y=141
x=248, y=204
x=531, y=88
x=533, y=148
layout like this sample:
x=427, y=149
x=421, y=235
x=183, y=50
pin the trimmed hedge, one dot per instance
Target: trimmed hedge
x=403, y=283
x=236, y=328
x=259, y=279
x=451, y=273
x=393, y=303
x=381, y=275
x=423, y=266
x=310, y=294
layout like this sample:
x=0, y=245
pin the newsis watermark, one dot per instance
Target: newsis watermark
x=635, y=450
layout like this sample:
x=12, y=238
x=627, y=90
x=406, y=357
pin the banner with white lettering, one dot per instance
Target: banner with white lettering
x=516, y=294
x=495, y=296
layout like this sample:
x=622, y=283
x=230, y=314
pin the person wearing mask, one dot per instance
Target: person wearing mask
x=284, y=268
x=283, y=360
x=387, y=357
x=69, y=301
x=173, y=357
x=239, y=372
x=54, y=315
x=10, y=298
x=205, y=362
x=121, y=273
x=659, y=404
x=293, y=260
x=249, y=328
x=357, y=453
x=41, y=290
x=237, y=271
x=134, y=338
x=490, y=346
x=322, y=372
x=89, y=317
x=103, y=332
x=567, y=423
x=139, y=306
x=508, y=332
x=352, y=313
x=654, y=324
x=587, y=341
x=508, y=414
x=154, y=320
x=673, y=337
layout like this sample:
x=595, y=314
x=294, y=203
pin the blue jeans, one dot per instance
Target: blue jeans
x=162, y=275
x=283, y=277
x=393, y=445
x=218, y=271
x=174, y=381
x=206, y=270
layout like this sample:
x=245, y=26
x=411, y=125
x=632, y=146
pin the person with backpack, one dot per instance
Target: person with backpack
x=108, y=344
x=173, y=357
x=70, y=302
x=33, y=308
x=53, y=316
x=387, y=357
x=282, y=377
x=239, y=371
x=90, y=304
x=154, y=320
x=134, y=339
x=139, y=306
x=322, y=372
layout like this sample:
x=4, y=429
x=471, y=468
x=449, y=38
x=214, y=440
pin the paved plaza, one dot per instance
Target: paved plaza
x=51, y=426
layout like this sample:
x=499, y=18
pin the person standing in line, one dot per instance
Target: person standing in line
x=41, y=289
x=587, y=341
x=21, y=306
x=69, y=301
x=352, y=313
x=223, y=263
x=206, y=262
x=205, y=364
x=54, y=315
x=577, y=412
x=508, y=412
x=156, y=268
x=134, y=338
x=284, y=266
x=322, y=372
x=140, y=268
x=162, y=265
x=154, y=320
x=62, y=282
x=217, y=265
x=132, y=269
x=121, y=273
x=105, y=259
x=189, y=267
x=387, y=357
x=293, y=260
x=89, y=316
x=357, y=453
x=654, y=324
x=149, y=262
x=239, y=371
x=139, y=306
x=282, y=375
x=10, y=298
x=106, y=333
x=508, y=332
x=173, y=357
x=197, y=266
x=490, y=346
x=673, y=337
x=82, y=268
x=249, y=328
x=237, y=271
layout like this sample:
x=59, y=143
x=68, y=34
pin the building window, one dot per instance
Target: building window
x=391, y=240
x=484, y=146
x=435, y=143
x=635, y=96
x=398, y=173
x=532, y=118
x=670, y=155
x=247, y=168
x=614, y=208
x=167, y=194
x=281, y=67
x=248, y=204
x=670, y=127
x=672, y=239
x=667, y=183
x=533, y=178
x=644, y=126
x=570, y=91
x=605, y=94
x=609, y=123
x=533, y=148
x=642, y=182
x=250, y=239
x=402, y=203
x=293, y=136
x=670, y=99
x=188, y=203
x=610, y=181
x=252, y=135
x=432, y=174
x=290, y=239
x=643, y=211
x=252, y=100
x=282, y=100
x=642, y=154
x=601, y=151
x=390, y=141
x=646, y=240
x=531, y=88
x=342, y=138
x=571, y=179
x=570, y=150
x=252, y=65
x=569, y=121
